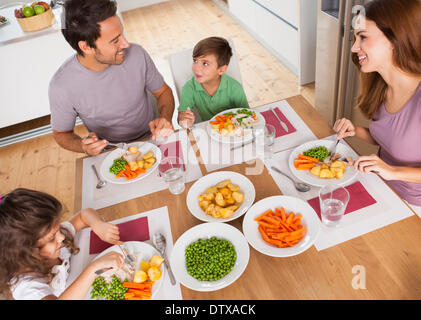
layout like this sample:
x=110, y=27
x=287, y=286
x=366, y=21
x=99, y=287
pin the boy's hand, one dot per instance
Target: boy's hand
x=185, y=118
x=107, y=232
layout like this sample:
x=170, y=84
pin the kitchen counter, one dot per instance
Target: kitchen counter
x=28, y=62
x=12, y=31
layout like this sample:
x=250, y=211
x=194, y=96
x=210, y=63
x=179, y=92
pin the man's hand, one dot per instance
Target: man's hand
x=160, y=127
x=91, y=145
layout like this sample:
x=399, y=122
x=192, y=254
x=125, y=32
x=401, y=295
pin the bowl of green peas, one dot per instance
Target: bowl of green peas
x=210, y=256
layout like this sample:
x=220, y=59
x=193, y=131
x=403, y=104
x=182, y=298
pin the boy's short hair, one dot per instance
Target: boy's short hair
x=82, y=18
x=214, y=45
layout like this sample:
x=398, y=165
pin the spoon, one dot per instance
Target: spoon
x=160, y=244
x=101, y=183
x=300, y=186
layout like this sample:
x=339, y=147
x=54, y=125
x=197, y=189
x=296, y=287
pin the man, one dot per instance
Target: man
x=105, y=83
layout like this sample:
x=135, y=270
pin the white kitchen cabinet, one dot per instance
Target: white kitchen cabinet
x=286, y=28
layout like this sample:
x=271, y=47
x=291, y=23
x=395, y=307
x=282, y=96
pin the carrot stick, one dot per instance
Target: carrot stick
x=290, y=218
x=265, y=224
x=263, y=233
x=271, y=221
x=135, y=285
x=301, y=156
x=283, y=214
x=298, y=160
x=305, y=166
x=263, y=214
x=118, y=175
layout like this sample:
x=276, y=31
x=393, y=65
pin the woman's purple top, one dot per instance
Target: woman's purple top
x=399, y=137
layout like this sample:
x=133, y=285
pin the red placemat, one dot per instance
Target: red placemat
x=358, y=198
x=271, y=119
x=134, y=230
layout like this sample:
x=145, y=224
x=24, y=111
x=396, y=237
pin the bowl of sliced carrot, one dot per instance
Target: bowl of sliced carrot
x=281, y=226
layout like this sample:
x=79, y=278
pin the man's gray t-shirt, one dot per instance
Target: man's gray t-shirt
x=112, y=103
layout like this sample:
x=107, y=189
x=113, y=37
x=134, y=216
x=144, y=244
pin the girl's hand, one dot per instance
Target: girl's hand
x=344, y=128
x=186, y=118
x=111, y=260
x=373, y=163
x=107, y=232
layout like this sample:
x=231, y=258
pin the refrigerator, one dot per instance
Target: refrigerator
x=337, y=78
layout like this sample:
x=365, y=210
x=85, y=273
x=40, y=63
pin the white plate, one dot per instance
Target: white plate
x=143, y=252
x=307, y=177
x=309, y=220
x=144, y=147
x=206, y=231
x=234, y=140
x=199, y=187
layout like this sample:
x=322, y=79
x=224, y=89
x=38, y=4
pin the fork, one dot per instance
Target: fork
x=120, y=145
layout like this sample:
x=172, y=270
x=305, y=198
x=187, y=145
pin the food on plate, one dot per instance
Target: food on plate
x=29, y=10
x=138, y=291
x=320, y=153
x=132, y=163
x=3, y=19
x=236, y=124
x=113, y=290
x=329, y=169
x=141, y=286
x=335, y=170
x=210, y=259
x=280, y=228
x=221, y=200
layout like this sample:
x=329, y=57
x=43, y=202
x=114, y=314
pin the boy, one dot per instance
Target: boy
x=210, y=91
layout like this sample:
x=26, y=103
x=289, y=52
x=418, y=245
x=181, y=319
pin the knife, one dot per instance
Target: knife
x=243, y=144
x=283, y=124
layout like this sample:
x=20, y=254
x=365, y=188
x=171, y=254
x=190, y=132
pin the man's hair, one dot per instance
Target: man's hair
x=82, y=19
x=214, y=45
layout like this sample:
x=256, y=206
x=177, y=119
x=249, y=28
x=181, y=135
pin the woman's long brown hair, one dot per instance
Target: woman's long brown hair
x=25, y=217
x=400, y=22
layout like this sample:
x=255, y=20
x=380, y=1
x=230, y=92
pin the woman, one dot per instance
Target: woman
x=387, y=51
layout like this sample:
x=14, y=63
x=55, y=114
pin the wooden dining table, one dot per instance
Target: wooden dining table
x=382, y=264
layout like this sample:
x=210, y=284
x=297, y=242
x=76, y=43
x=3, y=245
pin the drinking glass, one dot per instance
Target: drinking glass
x=269, y=140
x=333, y=202
x=172, y=170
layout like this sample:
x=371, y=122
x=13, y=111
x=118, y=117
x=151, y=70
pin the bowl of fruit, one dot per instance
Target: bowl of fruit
x=35, y=16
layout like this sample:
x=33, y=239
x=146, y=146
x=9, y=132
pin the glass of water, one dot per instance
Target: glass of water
x=172, y=170
x=269, y=139
x=333, y=202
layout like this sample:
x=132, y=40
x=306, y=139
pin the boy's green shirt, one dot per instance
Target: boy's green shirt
x=230, y=94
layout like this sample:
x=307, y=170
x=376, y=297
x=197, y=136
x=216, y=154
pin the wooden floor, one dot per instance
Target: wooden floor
x=161, y=29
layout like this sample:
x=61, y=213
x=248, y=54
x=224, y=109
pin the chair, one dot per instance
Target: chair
x=181, y=62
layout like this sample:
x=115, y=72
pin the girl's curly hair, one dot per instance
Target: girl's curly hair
x=25, y=217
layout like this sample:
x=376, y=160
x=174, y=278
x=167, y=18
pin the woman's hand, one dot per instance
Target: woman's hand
x=186, y=118
x=373, y=163
x=344, y=128
x=107, y=232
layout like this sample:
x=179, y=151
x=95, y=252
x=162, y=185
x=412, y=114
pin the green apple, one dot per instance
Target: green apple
x=39, y=9
x=28, y=11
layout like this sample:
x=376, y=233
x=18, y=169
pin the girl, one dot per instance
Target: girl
x=387, y=51
x=36, y=247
